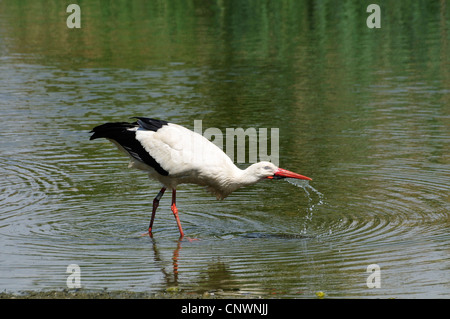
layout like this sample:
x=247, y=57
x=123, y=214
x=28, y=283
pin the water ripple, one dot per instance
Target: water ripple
x=26, y=185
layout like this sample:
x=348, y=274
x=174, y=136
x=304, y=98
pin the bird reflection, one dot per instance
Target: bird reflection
x=170, y=277
x=216, y=277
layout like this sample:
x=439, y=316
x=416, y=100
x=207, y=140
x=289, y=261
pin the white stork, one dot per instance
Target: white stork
x=173, y=155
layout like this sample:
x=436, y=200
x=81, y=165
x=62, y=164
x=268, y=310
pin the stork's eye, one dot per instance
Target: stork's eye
x=267, y=167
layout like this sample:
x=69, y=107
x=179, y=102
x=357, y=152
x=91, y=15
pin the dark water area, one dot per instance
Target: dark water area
x=364, y=112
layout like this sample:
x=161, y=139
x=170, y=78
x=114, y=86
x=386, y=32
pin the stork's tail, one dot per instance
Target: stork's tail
x=111, y=130
x=124, y=135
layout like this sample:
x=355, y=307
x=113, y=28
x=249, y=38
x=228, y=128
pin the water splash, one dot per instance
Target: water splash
x=315, y=198
x=304, y=184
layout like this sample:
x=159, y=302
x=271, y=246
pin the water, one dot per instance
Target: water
x=363, y=112
x=315, y=198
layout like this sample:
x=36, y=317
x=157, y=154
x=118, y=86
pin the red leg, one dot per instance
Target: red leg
x=155, y=206
x=175, y=212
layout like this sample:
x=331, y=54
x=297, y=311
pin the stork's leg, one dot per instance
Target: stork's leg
x=175, y=212
x=155, y=206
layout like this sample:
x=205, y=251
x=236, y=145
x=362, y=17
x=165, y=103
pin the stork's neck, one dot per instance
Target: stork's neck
x=227, y=181
x=244, y=177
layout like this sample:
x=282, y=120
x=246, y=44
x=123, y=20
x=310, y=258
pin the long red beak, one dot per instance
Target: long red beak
x=283, y=173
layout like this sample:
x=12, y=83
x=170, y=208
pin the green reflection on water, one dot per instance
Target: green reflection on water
x=362, y=111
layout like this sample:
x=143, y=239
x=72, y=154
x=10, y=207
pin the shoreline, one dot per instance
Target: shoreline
x=118, y=294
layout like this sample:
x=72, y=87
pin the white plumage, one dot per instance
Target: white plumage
x=173, y=155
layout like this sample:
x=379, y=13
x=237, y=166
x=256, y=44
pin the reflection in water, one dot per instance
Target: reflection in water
x=363, y=112
x=216, y=277
x=171, y=279
x=219, y=279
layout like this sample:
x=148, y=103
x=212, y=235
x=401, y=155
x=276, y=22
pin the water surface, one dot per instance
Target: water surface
x=363, y=112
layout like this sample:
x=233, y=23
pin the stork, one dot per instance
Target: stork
x=173, y=155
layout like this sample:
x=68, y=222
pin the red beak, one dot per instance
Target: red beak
x=283, y=173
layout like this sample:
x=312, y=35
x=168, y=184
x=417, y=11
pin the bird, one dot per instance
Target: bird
x=173, y=155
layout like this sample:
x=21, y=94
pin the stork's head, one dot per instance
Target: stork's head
x=269, y=170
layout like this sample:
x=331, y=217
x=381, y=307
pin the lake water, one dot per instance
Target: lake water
x=364, y=112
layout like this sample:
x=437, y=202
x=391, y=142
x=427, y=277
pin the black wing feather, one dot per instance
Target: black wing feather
x=121, y=133
x=150, y=124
